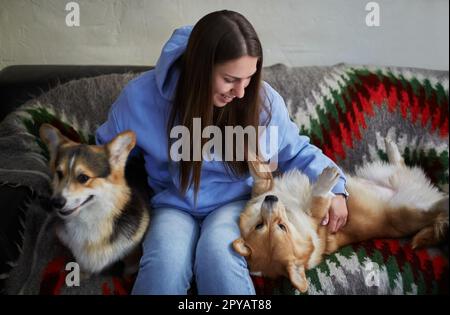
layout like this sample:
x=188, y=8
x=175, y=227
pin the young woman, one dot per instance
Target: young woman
x=210, y=72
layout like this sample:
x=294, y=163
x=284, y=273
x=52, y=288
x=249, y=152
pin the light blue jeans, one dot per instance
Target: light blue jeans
x=179, y=247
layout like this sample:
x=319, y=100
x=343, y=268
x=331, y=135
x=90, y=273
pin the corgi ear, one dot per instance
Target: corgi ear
x=261, y=174
x=119, y=148
x=241, y=248
x=52, y=138
x=297, y=276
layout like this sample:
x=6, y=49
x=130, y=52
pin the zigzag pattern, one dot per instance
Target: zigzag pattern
x=373, y=267
x=341, y=115
x=345, y=111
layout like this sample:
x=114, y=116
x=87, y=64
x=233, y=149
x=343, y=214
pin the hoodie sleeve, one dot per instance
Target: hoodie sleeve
x=114, y=124
x=295, y=150
x=110, y=128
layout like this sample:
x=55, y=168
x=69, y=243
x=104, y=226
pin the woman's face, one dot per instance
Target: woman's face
x=231, y=78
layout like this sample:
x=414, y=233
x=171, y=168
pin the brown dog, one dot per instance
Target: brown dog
x=281, y=226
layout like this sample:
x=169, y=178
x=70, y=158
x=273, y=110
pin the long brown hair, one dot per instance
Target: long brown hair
x=218, y=37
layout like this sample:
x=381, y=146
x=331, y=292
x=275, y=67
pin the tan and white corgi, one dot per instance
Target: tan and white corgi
x=281, y=231
x=101, y=217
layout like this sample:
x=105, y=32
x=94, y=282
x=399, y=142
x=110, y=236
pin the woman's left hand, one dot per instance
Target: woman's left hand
x=337, y=214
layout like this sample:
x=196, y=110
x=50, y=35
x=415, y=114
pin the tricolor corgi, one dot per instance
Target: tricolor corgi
x=281, y=231
x=101, y=218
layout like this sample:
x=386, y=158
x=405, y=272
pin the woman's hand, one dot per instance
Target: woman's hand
x=337, y=214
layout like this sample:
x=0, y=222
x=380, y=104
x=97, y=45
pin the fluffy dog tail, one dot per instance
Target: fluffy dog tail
x=438, y=232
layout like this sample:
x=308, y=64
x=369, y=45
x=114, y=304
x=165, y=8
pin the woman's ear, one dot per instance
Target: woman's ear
x=241, y=248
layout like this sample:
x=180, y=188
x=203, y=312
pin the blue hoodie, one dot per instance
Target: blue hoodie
x=144, y=107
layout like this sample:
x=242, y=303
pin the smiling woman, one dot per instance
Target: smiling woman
x=222, y=47
x=231, y=78
x=208, y=75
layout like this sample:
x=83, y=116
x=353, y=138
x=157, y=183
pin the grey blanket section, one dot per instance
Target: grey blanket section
x=39, y=247
x=23, y=279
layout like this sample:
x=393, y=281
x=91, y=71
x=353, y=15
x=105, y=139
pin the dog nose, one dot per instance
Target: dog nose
x=58, y=202
x=268, y=208
x=271, y=198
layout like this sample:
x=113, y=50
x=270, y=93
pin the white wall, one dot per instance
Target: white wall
x=294, y=32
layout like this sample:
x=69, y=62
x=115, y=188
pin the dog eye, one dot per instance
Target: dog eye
x=282, y=226
x=82, y=178
x=259, y=226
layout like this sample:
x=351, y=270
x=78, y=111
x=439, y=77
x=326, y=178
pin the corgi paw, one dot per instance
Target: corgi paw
x=393, y=153
x=326, y=181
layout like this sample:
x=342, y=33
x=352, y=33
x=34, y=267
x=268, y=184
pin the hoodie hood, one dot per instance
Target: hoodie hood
x=166, y=75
